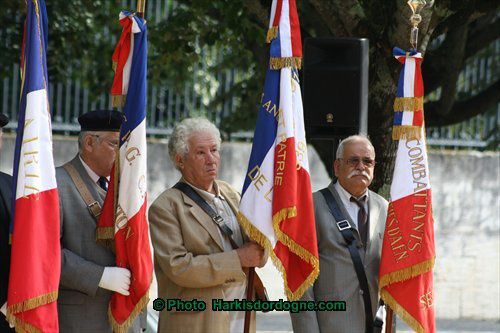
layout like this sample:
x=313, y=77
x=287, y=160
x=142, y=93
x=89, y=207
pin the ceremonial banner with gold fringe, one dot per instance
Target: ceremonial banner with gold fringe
x=36, y=252
x=122, y=59
x=276, y=207
x=408, y=254
x=123, y=217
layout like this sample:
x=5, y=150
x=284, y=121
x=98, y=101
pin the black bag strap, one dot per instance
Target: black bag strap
x=352, y=245
x=218, y=220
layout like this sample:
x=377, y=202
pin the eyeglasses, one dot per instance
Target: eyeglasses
x=353, y=161
x=113, y=144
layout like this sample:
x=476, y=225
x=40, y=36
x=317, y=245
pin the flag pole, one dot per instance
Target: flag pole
x=141, y=8
x=251, y=273
x=388, y=320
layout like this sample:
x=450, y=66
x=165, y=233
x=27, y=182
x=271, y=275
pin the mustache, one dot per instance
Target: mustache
x=359, y=173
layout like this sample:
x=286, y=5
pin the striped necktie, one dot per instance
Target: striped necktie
x=362, y=219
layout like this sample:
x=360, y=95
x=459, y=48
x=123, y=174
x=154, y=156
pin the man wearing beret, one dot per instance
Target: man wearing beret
x=5, y=218
x=89, y=274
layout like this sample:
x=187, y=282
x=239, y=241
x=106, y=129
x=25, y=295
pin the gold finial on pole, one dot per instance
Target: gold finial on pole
x=141, y=8
x=415, y=19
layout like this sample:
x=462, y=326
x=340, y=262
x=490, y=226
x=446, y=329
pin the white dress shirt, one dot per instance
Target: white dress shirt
x=94, y=176
x=351, y=207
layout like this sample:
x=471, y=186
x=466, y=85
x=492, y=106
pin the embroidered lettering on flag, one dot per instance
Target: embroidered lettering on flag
x=408, y=252
x=123, y=216
x=276, y=207
x=36, y=253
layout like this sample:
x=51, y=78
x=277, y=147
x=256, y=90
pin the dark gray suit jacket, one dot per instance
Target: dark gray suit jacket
x=337, y=280
x=82, y=304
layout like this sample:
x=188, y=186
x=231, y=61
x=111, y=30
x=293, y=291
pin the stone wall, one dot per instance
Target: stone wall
x=466, y=211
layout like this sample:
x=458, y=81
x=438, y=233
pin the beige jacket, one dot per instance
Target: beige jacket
x=190, y=262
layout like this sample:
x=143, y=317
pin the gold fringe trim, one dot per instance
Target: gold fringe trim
x=102, y=233
x=118, y=101
x=407, y=273
x=20, y=325
x=279, y=63
x=408, y=104
x=272, y=33
x=30, y=304
x=285, y=213
x=123, y=328
x=114, y=66
x=261, y=239
x=401, y=312
x=406, y=132
x=34, y=302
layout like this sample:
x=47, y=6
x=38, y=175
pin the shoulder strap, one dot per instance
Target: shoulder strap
x=352, y=245
x=218, y=220
x=93, y=205
x=258, y=286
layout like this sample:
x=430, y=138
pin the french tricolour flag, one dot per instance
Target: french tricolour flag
x=124, y=212
x=36, y=252
x=276, y=207
x=408, y=253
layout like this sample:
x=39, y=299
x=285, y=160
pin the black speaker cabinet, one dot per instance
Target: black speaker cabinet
x=335, y=87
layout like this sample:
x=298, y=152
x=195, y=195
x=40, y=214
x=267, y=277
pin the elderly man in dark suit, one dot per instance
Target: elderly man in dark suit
x=366, y=213
x=89, y=274
x=5, y=219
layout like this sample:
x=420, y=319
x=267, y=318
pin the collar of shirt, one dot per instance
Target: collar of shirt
x=207, y=196
x=94, y=176
x=350, y=206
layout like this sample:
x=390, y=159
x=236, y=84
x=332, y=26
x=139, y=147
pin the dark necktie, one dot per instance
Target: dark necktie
x=103, y=183
x=362, y=219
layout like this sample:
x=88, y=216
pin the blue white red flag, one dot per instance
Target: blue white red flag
x=276, y=207
x=123, y=216
x=408, y=253
x=36, y=252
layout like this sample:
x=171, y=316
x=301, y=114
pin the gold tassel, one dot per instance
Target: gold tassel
x=272, y=33
x=123, y=328
x=407, y=273
x=408, y=104
x=279, y=63
x=118, y=101
x=261, y=239
x=406, y=132
x=401, y=312
x=114, y=66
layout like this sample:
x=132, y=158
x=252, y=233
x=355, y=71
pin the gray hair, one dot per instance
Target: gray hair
x=81, y=138
x=351, y=139
x=178, y=142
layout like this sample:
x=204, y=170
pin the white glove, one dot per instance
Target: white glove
x=116, y=279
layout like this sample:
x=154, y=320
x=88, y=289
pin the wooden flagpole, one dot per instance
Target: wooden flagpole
x=388, y=319
x=248, y=314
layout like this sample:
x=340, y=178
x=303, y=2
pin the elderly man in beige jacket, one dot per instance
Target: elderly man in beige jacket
x=193, y=259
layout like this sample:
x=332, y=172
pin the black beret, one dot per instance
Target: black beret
x=101, y=120
x=4, y=120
